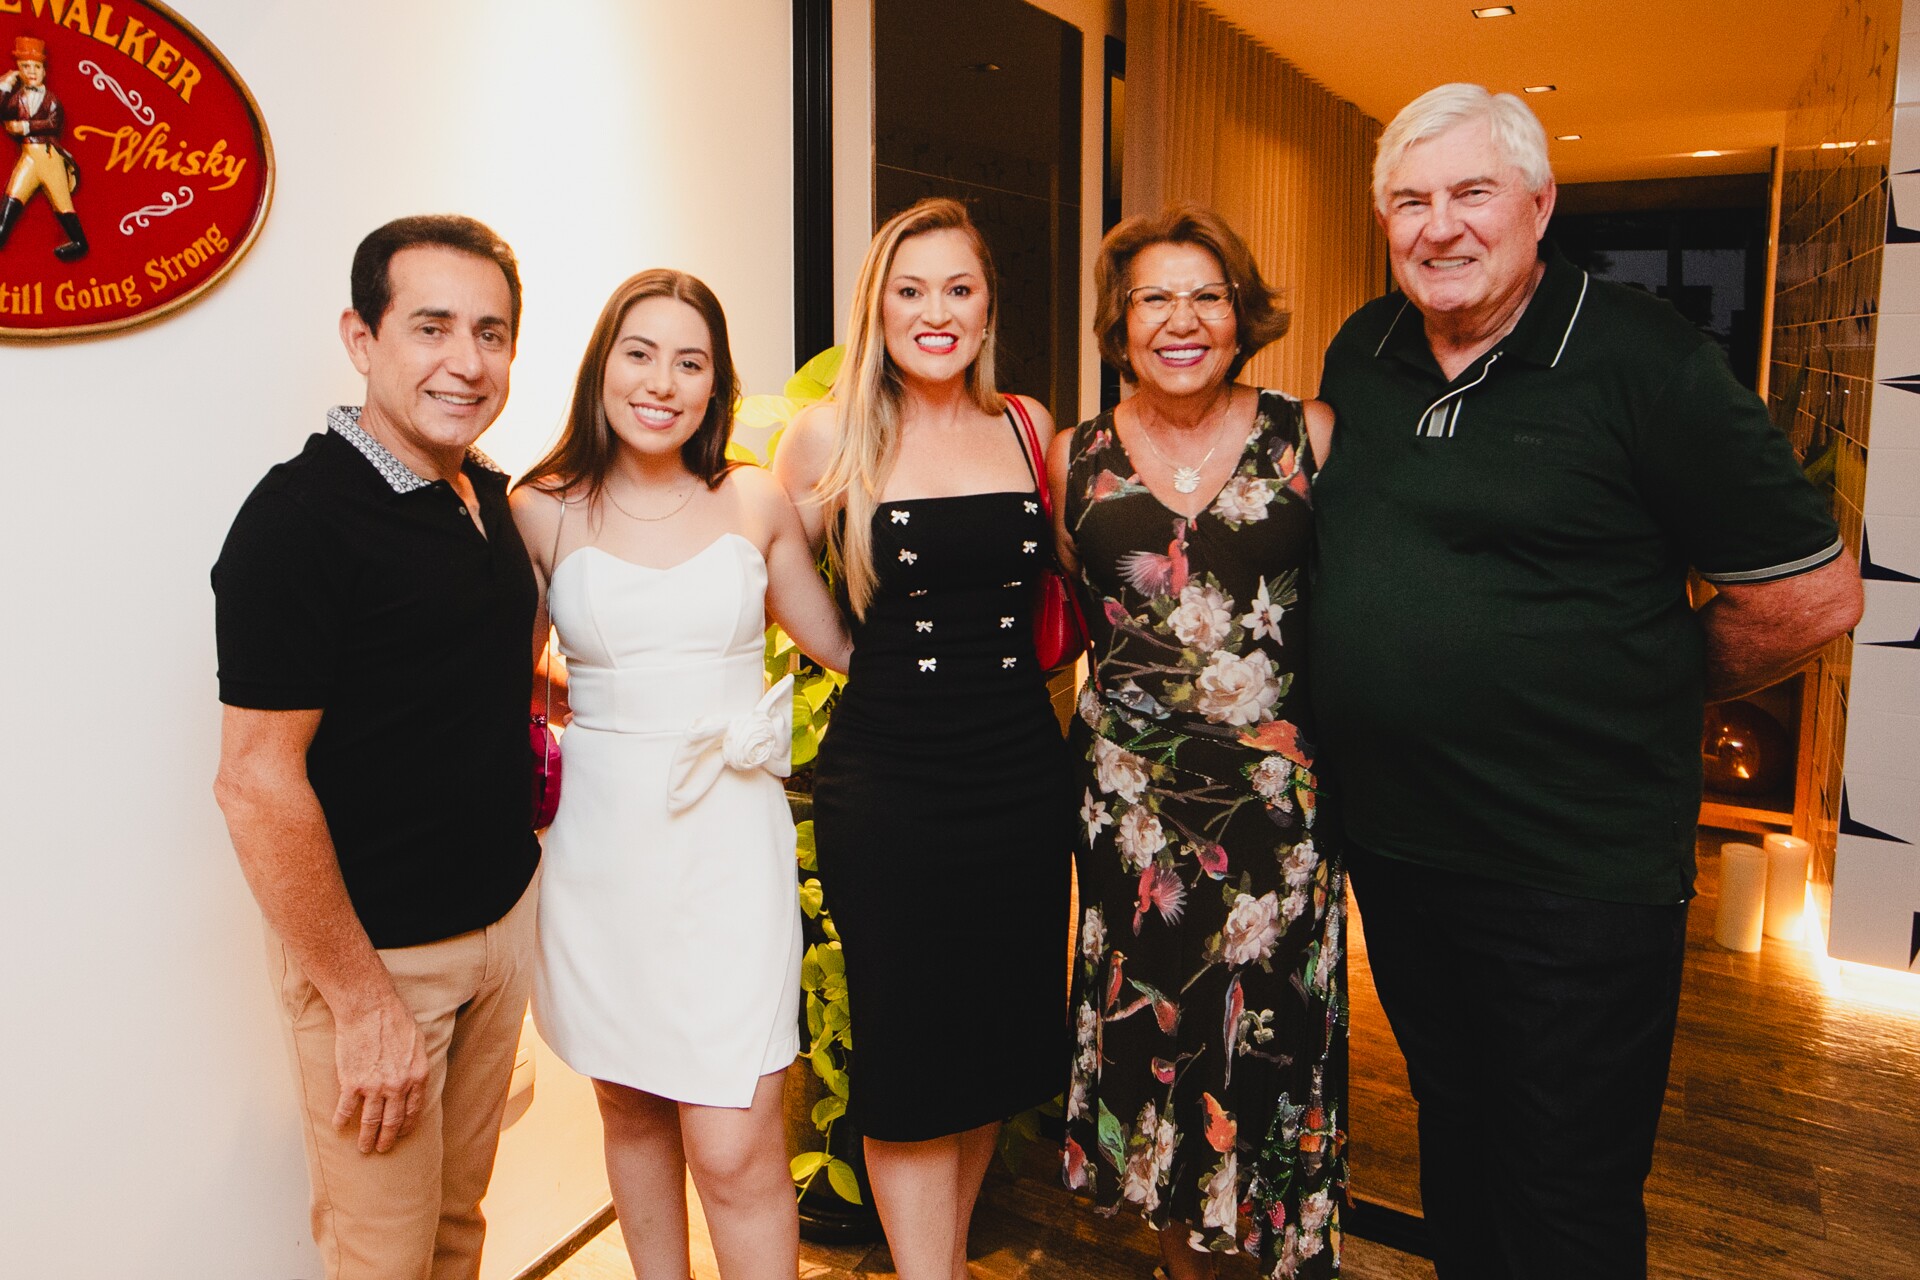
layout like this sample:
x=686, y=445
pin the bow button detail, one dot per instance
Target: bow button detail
x=758, y=739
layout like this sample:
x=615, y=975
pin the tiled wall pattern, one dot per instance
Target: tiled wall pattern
x=1846, y=352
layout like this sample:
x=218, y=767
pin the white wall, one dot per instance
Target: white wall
x=853, y=153
x=149, y=1131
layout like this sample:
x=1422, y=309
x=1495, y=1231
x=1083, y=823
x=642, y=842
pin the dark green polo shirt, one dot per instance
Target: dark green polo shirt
x=1507, y=676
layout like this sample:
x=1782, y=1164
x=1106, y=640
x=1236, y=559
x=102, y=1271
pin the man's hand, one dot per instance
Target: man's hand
x=284, y=847
x=18, y=127
x=381, y=1060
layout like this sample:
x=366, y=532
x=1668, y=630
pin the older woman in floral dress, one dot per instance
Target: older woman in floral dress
x=1209, y=1082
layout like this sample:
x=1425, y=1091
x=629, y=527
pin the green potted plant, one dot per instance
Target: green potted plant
x=829, y=1172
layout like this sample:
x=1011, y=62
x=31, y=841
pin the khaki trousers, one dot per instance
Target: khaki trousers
x=413, y=1213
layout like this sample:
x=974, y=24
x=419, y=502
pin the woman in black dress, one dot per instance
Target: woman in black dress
x=1208, y=1091
x=941, y=794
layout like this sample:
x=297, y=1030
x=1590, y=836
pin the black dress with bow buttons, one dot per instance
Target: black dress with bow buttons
x=944, y=825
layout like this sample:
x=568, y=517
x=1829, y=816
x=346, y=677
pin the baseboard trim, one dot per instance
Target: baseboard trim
x=1375, y=1222
x=576, y=1240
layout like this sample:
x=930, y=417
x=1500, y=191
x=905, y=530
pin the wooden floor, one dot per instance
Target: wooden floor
x=1789, y=1147
x=1790, y=1143
x=1026, y=1228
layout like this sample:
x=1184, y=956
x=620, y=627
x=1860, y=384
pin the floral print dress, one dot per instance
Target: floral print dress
x=1209, y=1077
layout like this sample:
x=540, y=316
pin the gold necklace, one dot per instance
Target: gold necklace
x=608, y=490
x=1187, y=479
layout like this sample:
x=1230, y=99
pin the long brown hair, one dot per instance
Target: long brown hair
x=869, y=390
x=584, y=454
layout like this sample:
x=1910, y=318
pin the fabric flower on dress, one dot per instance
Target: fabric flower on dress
x=1140, y=837
x=1264, y=620
x=1222, y=1207
x=1117, y=771
x=1204, y=617
x=1238, y=690
x=1272, y=781
x=1244, y=500
x=1253, y=925
x=1089, y=706
x=1093, y=935
x=1314, y=1211
x=1093, y=816
x=1298, y=866
x=1140, y=1180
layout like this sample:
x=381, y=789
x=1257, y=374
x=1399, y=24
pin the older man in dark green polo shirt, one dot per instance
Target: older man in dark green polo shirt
x=1510, y=681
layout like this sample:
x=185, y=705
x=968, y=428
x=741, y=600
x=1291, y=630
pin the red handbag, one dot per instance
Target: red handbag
x=544, y=744
x=546, y=768
x=1059, y=631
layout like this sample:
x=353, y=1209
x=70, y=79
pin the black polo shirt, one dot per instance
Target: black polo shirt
x=1506, y=673
x=351, y=585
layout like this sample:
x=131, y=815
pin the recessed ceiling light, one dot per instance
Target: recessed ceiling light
x=984, y=68
x=1495, y=11
x=1705, y=155
x=1539, y=88
x=1566, y=137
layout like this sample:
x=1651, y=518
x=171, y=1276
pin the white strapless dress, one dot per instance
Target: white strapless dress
x=669, y=918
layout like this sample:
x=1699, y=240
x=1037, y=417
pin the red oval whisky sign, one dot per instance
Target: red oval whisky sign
x=138, y=168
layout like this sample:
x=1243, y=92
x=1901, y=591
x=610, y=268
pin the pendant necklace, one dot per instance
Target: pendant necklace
x=1187, y=479
x=608, y=490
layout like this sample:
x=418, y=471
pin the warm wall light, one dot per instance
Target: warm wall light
x=1566, y=137
x=1495, y=11
x=1861, y=984
x=1705, y=155
x=1539, y=88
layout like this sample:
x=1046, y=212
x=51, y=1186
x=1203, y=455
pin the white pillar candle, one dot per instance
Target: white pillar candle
x=1743, y=897
x=1786, y=885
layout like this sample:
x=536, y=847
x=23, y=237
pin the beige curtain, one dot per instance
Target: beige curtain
x=1213, y=116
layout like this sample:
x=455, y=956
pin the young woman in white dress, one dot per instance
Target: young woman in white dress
x=669, y=922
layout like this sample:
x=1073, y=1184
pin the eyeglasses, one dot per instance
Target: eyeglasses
x=1156, y=302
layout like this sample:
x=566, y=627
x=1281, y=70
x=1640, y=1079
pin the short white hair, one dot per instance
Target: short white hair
x=1518, y=137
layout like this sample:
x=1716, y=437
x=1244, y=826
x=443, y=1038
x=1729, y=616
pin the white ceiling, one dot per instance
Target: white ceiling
x=1643, y=82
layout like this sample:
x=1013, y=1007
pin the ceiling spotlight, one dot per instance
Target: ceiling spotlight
x=1705, y=155
x=1539, y=88
x=983, y=68
x=1566, y=137
x=1494, y=11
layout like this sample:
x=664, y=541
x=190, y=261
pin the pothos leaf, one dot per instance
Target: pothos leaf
x=845, y=1185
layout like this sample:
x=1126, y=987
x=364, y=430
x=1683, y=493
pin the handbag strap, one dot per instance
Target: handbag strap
x=553, y=562
x=1046, y=509
x=1036, y=460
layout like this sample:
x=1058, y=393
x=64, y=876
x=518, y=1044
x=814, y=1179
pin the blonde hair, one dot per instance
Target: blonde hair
x=869, y=392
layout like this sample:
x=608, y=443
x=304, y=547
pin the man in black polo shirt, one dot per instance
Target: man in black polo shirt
x=1510, y=682
x=374, y=610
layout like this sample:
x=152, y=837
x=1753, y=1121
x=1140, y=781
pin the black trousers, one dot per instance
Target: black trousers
x=1537, y=1030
